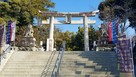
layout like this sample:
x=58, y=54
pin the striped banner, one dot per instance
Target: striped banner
x=1, y=34
x=13, y=31
x=110, y=31
x=114, y=31
x=8, y=34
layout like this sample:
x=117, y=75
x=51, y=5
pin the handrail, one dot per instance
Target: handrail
x=46, y=68
x=56, y=69
x=5, y=52
x=60, y=62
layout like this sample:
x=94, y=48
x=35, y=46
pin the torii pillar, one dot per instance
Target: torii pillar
x=86, y=37
x=50, y=40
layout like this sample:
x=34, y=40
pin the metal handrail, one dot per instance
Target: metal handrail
x=46, y=68
x=5, y=52
x=3, y=55
x=56, y=69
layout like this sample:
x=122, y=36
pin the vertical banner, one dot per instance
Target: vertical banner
x=13, y=30
x=124, y=55
x=110, y=31
x=114, y=30
x=1, y=34
x=8, y=33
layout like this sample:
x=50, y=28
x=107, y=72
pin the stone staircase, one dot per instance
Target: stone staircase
x=27, y=64
x=89, y=64
x=74, y=64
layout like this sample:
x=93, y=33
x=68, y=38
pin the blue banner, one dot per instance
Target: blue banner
x=8, y=37
x=114, y=31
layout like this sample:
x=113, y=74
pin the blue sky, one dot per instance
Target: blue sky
x=76, y=6
x=130, y=32
x=81, y=6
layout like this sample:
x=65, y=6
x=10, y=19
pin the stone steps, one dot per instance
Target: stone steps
x=91, y=75
x=20, y=75
x=89, y=64
x=27, y=64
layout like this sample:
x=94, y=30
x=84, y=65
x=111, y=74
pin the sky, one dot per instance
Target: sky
x=76, y=6
x=81, y=6
x=130, y=32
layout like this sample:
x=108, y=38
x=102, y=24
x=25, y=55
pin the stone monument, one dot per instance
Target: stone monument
x=28, y=42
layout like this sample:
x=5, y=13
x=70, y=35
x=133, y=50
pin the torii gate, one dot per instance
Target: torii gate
x=68, y=15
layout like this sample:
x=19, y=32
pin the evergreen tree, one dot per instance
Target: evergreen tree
x=123, y=9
